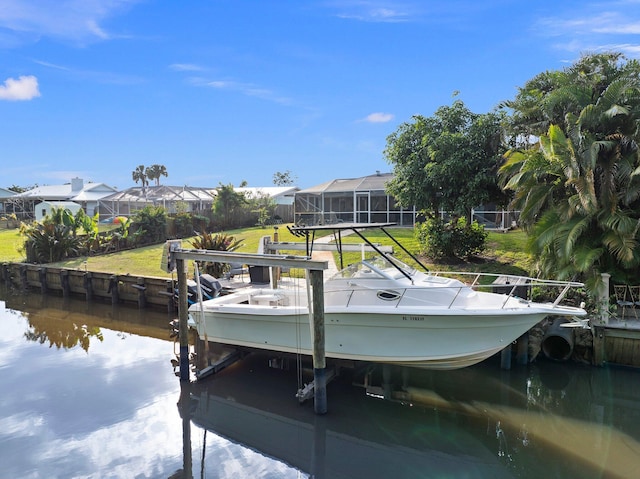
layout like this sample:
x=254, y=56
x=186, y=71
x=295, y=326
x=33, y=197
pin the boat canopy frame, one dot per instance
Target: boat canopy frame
x=309, y=232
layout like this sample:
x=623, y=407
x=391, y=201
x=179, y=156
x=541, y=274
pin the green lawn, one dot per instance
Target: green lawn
x=504, y=252
x=147, y=261
x=10, y=241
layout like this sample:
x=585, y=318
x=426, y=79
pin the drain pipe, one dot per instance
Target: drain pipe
x=557, y=343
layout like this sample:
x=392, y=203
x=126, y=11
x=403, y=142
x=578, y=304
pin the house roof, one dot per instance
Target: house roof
x=87, y=192
x=156, y=194
x=4, y=193
x=366, y=183
x=281, y=194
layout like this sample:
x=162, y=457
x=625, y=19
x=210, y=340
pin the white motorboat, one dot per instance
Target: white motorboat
x=385, y=311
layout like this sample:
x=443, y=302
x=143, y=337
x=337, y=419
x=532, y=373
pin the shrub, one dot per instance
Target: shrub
x=215, y=242
x=48, y=242
x=454, y=239
x=152, y=222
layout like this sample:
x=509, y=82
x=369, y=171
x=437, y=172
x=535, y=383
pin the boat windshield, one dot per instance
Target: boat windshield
x=377, y=266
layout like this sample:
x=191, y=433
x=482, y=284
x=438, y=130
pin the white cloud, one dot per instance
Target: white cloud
x=24, y=88
x=602, y=27
x=377, y=11
x=75, y=20
x=185, y=67
x=609, y=23
x=378, y=117
x=244, y=89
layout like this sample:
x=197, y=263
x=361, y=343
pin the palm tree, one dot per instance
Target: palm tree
x=154, y=172
x=579, y=186
x=139, y=175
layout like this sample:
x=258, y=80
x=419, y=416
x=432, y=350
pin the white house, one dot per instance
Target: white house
x=86, y=195
x=44, y=208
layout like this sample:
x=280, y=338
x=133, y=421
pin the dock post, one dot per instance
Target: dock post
x=319, y=359
x=142, y=298
x=23, y=277
x=42, y=273
x=6, y=276
x=88, y=286
x=603, y=297
x=64, y=282
x=522, y=351
x=183, y=318
x=113, y=289
x=505, y=358
x=599, y=356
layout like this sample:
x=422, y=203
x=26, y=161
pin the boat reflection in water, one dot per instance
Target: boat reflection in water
x=467, y=423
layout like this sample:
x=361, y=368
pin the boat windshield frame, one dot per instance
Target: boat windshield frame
x=389, y=262
x=385, y=266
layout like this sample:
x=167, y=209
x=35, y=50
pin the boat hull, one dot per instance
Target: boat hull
x=449, y=340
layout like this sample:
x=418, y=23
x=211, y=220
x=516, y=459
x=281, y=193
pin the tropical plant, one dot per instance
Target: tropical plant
x=49, y=241
x=215, y=242
x=150, y=224
x=154, y=172
x=284, y=178
x=140, y=175
x=578, y=185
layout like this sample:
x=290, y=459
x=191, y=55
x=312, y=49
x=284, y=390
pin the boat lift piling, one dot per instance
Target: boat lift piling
x=177, y=260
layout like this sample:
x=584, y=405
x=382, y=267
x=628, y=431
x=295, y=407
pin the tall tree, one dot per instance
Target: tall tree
x=284, y=178
x=140, y=175
x=449, y=160
x=578, y=185
x=227, y=205
x=154, y=172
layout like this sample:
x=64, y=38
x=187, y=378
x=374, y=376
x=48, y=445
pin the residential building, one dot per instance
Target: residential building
x=87, y=195
x=359, y=200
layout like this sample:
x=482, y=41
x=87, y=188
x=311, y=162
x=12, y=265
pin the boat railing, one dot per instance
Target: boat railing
x=511, y=286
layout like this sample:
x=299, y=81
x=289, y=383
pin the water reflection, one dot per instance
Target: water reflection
x=477, y=422
x=95, y=396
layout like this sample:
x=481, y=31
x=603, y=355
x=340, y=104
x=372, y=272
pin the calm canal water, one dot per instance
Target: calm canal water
x=90, y=392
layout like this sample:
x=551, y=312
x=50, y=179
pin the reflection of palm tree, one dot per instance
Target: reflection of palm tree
x=139, y=175
x=61, y=334
x=154, y=172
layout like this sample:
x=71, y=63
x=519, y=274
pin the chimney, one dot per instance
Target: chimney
x=76, y=184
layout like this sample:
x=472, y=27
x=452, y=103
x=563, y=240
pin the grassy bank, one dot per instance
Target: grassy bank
x=10, y=242
x=504, y=252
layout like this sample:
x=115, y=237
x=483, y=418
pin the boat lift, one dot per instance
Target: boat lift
x=175, y=259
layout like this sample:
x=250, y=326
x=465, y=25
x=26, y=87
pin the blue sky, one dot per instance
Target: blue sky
x=221, y=91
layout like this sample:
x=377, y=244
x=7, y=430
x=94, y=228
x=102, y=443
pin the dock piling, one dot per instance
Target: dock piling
x=183, y=318
x=113, y=289
x=64, y=282
x=141, y=288
x=87, y=281
x=319, y=359
x=42, y=274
